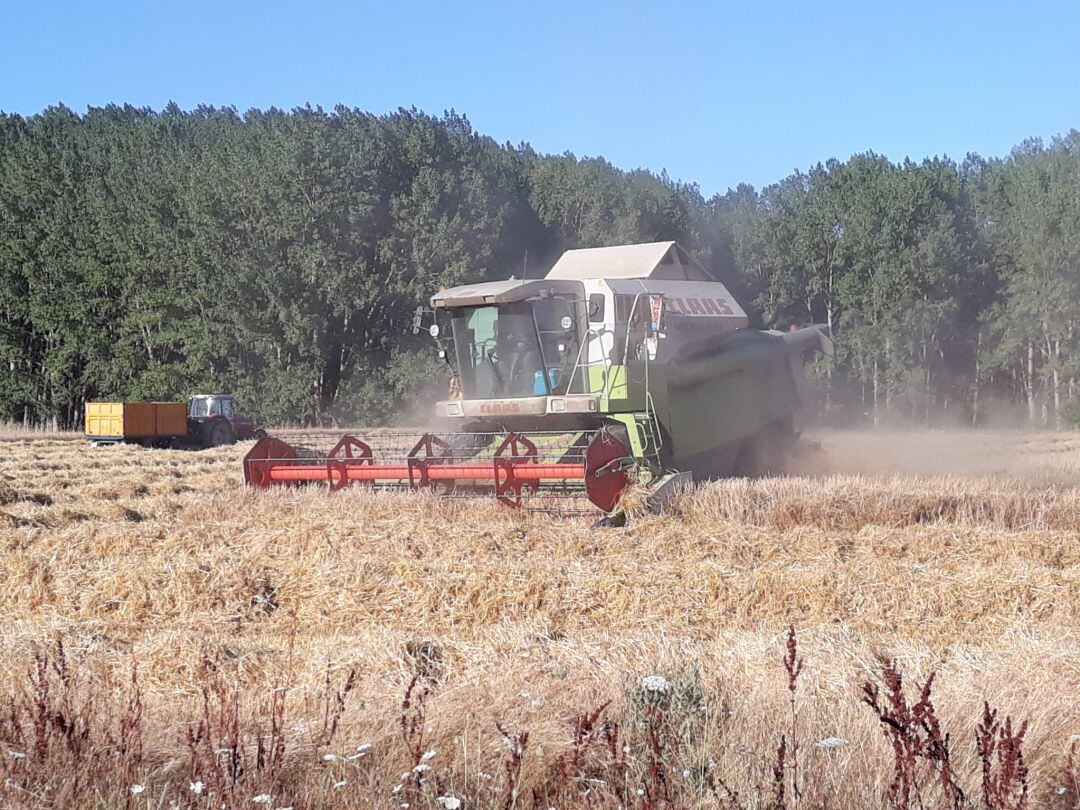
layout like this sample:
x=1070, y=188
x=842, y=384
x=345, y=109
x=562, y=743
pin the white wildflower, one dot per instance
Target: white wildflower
x=686, y=774
x=831, y=742
x=196, y=787
x=538, y=704
x=329, y=757
x=137, y=789
x=262, y=798
x=1060, y=790
x=484, y=775
x=421, y=768
x=405, y=775
x=17, y=754
x=525, y=694
x=449, y=802
x=362, y=748
x=655, y=683
x=640, y=792
x=341, y=784
x=428, y=755
x=397, y=788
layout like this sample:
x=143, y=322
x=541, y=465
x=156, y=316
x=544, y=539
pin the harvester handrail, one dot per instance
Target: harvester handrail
x=605, y=361
x=650, y=406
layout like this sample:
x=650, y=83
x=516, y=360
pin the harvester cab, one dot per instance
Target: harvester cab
x=623, y=364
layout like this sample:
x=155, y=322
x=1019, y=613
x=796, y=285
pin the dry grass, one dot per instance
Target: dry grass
x=163, y=559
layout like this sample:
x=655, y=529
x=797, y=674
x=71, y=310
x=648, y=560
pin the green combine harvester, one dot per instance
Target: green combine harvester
x=624, y=365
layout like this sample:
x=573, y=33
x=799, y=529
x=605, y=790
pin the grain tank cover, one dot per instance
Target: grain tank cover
x=655, y=260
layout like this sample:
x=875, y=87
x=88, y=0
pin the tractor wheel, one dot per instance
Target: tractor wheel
x=220, y=434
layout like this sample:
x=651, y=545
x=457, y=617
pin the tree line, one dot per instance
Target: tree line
x=279, y=255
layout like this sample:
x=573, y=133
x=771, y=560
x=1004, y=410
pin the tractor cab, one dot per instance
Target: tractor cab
x=206, y=406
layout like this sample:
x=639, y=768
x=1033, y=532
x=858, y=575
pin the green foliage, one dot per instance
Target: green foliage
x=1070, y=414
x=279, y=255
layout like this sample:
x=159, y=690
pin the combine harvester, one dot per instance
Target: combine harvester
x=626, y=364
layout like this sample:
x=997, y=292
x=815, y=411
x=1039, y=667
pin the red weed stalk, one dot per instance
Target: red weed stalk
x=516, y=743
x=1004, y=772
x=793, y=665
x=779, y=771
x=914, y=733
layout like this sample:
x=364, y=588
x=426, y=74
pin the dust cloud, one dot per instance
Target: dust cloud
x=1050, y=456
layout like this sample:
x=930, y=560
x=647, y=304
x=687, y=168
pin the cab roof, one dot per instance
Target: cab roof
x=500, y=292
x=665, y=261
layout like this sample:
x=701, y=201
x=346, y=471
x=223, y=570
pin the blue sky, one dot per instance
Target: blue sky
x=715, y=93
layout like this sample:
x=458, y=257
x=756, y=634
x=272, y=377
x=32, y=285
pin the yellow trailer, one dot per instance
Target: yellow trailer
x=143, y=422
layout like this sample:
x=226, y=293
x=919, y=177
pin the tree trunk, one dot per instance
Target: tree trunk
x=888, y=388
x=876, y=384
x=1029, y=382
x=975, y=382
x=1057, y=385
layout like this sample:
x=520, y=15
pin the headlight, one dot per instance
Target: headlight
x=453, y=409
x=558, y=405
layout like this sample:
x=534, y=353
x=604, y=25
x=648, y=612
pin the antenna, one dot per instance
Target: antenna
x=525, y=265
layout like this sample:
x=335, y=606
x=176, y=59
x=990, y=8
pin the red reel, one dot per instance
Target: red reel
x=604, y=484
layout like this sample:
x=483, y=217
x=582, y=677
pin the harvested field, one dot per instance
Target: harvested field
x=244, y=613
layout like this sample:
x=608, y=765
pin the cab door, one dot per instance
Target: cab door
x=599, y=350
